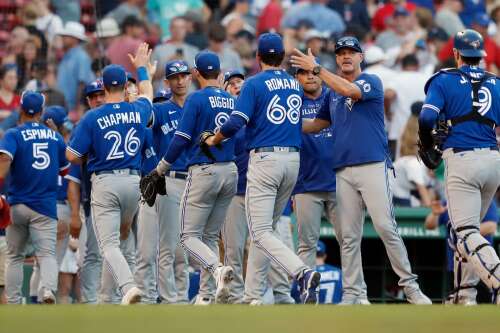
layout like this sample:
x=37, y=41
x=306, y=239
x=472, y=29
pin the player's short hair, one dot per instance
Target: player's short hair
x=272, y=59
x=114, y=89
x=213, y=75
x=472, y=61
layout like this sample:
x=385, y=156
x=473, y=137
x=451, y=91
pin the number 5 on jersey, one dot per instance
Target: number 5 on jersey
x=131, y=144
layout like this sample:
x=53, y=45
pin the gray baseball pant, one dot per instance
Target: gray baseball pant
x=114, y=201
x=271, y=179
x=471, y=181
x=368, y=183
x=90, y=272
x=204, y=204
x=42, y=230
x=159, y=253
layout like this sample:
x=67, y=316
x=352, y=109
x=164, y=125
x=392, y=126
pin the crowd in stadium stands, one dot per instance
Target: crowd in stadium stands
x=59, y=46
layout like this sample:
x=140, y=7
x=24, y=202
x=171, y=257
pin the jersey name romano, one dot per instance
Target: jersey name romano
x=285, y=83
x=38, y=133
x=119, y=118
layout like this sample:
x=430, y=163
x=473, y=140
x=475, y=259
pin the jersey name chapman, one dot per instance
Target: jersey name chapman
x=119, y=118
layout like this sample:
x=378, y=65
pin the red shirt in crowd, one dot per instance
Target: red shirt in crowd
x=491, y=48
x=270, y=18
x=7, y=108
x=383, y=13
x=119, y=49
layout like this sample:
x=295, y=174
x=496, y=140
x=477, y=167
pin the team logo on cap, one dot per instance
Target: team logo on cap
x=475, y=44
x=178, y=67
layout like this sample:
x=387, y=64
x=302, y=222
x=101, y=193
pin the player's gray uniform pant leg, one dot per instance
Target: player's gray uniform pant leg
x=278, y=278
x=271, y=178
x=63, y=217
x=170, y=228
x=234, y=236
x=115, y=200
x=146, y=275
x=181, y=269
x=42, y=230
x=207, y=196
x=472, y=179
x=368, y=183
x=90, y=273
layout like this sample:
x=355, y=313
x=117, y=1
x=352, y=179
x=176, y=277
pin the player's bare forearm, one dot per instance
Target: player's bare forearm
x=74, y=205
x=73, y=159
x=215, y=139
x=311, y=126
x=5, y=162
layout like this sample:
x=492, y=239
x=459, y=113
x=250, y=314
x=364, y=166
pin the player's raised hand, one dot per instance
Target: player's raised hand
x=305, y=61
x=152, y=66
x=142, y=56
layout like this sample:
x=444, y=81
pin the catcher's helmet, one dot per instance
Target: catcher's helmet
x=469, y=43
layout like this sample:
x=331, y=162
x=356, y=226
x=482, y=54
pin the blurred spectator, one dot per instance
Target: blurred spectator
x=405, y=88
x=128, y=8
x=196, y=35
x=270, y=17
x=163, y=12
x=316, y=41
x=229, y=59
x=98, y=65
x=447, y=16
x=471, y=9
x=436, y=40
x=352, y=11
x=383, y=15
x=410, y=174
x=492, y=60
x=398, y=32
x=174, y=48
x=9, y=100
x=25, y=61
x=47, y=22
x=323, y=18
x=237, y=19
x=67, y=10
x=29, y=16
x=74, y=69
x=132, y=36
x=106, y=30
x=15, y=44
x=44, y=80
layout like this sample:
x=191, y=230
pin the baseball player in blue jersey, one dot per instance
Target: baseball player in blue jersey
x=157, y=260
x=269, y=105
x=162, y=95
x=355, y=108
x=468, y=99
x=211, y=182
x=111, y=138
x=35, y=150
x=79, y=188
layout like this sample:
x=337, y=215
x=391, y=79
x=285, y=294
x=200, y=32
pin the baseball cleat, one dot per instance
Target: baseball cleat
x=48, y=297
x=223, y=277
x=256, y=302
x=132, y=296
x=200, y=300
x=415, y=296
x=309, y=283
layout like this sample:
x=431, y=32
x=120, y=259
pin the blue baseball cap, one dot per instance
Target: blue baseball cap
x=206, y=62
x=270, y=43
x=57, y=113
x=114, y=75
x=162, y=95
x=93, y=87
x=32, y=102
x=469, y=43
x=176, y=67
x=320, y=248
x=234, y=73
x=348, y=42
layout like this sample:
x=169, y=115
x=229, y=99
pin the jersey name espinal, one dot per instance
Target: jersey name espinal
x=119, y=118
x=285, y=83
x=39, y=133
x=221, y=102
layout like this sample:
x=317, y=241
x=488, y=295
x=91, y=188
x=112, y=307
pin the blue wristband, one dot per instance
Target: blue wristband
x=142, y=74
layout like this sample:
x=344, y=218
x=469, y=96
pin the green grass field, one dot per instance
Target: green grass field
x=242, y=319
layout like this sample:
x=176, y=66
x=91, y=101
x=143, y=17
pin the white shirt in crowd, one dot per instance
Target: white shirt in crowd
x=409, y=173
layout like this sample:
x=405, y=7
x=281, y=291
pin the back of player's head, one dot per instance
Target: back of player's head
x=57, y=113
x=470, y=45
x=208, y=65
x=114, y=77
x=270, y=49
x=32, y=102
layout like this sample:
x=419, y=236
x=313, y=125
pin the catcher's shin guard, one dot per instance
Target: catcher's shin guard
x=480, y=254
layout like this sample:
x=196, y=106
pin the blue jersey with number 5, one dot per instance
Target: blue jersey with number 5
x=206, y=109
x=112, y=135
x=37, y=154
x=270, y=103
x=451, y=95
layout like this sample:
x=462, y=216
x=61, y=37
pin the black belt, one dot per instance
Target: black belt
x=118, y=172
x=177, y=175
x=276, y=149
x=460, y=150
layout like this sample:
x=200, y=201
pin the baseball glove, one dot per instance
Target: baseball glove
x=429, y=145
x=151, y=185
x=205, y=149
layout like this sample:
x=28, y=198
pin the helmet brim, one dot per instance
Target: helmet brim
x=472, y=53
